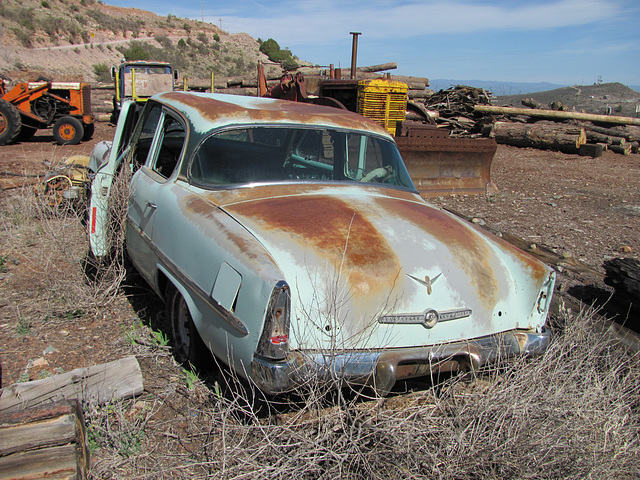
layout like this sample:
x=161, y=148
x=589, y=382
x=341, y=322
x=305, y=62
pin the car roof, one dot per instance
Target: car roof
x=206, y=111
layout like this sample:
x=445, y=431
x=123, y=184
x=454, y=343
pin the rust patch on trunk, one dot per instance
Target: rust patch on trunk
x=336, y=231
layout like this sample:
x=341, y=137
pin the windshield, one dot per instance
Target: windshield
x=268, y=154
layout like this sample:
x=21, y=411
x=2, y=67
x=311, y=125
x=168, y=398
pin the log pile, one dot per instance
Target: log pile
x=42, y=427
x=467, y=111
x=44, y=442
x=454, y=108
x=620, y=136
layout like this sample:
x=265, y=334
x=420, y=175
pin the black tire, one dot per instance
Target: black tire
x=26, y=133
x=89, y=128
x=68, y=131
x=10, y=122
x=188, y=348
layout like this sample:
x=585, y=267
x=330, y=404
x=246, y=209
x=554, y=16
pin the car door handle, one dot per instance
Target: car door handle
x=151, y=205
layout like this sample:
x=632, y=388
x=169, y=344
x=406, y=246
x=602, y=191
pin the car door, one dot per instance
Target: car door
x=106, y=161
x=157, y=149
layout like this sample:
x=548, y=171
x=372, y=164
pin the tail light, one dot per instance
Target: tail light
x=274, y=342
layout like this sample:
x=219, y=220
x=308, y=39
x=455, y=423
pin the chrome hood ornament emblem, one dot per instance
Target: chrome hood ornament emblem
x=427, y=282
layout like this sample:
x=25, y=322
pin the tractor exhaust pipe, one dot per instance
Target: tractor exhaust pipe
x=354, y=53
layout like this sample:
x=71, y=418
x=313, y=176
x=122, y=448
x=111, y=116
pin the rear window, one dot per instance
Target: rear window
x=270, y=154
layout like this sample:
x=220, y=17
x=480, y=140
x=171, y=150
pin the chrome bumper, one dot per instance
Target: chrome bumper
x=382, y=368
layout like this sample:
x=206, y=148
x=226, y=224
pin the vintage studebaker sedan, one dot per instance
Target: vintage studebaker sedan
x=290, y=240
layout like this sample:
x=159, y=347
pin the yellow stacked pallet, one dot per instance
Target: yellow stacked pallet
x=383, y=101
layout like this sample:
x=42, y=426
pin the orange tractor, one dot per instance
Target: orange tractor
x=29, y=106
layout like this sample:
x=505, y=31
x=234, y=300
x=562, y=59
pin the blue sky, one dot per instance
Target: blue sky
x=558, y=41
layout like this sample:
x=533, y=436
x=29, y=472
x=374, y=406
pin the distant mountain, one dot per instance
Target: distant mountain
x=496, y=87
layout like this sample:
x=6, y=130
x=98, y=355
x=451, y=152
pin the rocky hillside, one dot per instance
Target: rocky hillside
x=81, y=39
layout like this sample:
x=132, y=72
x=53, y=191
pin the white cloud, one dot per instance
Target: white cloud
x=315, y=22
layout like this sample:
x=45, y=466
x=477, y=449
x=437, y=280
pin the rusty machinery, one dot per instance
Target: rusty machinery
x=438, y=163
x=29, y=106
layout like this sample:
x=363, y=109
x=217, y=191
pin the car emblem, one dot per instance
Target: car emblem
x=428, y=319
x=427, y=282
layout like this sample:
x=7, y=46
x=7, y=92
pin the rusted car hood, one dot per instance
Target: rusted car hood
x=353, y=255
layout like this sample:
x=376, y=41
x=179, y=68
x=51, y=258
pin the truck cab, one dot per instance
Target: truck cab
x=139, y=80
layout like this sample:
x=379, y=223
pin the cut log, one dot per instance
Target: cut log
x=378, y=68
x=548, y=136
x=592, y=117
x=621, y=149
x=417, y=94
x=602, y=138
x=591, y=150
x=96, y=385
x=44, y=442
x=630, y=133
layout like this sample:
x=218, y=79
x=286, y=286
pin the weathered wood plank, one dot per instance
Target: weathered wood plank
x=97, y=384
x=50, y=463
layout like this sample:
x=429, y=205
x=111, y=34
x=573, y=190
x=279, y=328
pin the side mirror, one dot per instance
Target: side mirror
x=113, y=72
x=175, y=75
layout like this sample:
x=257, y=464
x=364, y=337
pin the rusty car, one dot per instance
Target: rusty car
x=289, y=240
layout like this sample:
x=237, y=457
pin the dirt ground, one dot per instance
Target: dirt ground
x=578, y=206
x=581, y=207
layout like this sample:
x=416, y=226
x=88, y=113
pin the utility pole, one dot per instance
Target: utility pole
x=202, y=11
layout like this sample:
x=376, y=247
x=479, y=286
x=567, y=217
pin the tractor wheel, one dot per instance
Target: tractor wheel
x=26, y=133
x=68, y=131
x=10, y=122
x=89, y=128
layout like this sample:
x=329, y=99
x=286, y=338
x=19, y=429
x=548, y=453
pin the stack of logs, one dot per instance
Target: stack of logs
x=467, y=111
x=563, y=130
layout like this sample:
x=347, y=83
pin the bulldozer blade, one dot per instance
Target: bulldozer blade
x=442, y=165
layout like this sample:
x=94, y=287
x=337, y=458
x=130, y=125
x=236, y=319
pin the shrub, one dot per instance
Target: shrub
x=135, y=51
x=102, y=71
x=272, y=50
x=45, y=4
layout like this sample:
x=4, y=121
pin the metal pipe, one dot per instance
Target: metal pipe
x=354, y=53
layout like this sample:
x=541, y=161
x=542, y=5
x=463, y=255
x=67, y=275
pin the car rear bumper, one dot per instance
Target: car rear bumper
x=382, y=368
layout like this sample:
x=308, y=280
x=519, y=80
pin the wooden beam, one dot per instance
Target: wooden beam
x=592, y=117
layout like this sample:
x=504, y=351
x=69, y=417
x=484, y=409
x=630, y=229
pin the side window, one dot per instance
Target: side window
x=143, y=137
x=170, y=146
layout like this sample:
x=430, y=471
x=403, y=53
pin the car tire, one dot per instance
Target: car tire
x=68, y=131
x=10, y=122
x=185, y=340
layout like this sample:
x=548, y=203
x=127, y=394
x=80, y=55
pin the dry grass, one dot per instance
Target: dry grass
x=53, y=274
x=572, y=413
